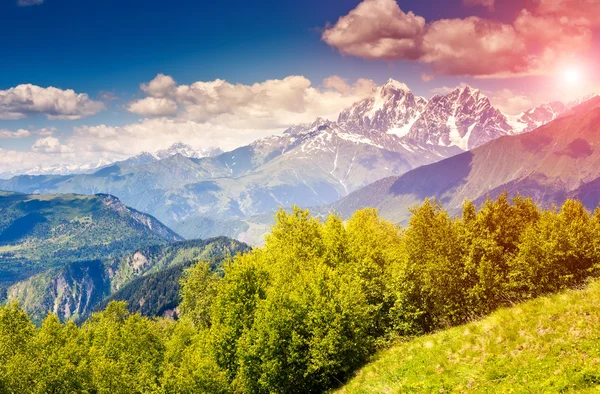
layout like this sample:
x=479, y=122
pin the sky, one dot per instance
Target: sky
x=85, y=81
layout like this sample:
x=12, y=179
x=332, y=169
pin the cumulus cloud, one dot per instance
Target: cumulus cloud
x=203, y=114
x=473, y=46
x=27, y=3
x=27, y=100
x=50, y=145
x=533, y=44
x=271, y=104
x=151, y=106
x=377, y=29
x=161, y=86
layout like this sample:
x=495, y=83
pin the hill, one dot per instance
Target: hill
x=148, y=279
x=157, y=291
x=39, y=232
x=557, y=161
x=546, y=345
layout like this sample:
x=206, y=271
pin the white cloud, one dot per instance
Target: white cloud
x=272, y=104
x=151, y=106
x=27, y=100
x=23, y=133
x=27, y=3
x=16, y=134
x=157, y=133
x=161, y=86
x=50, y=145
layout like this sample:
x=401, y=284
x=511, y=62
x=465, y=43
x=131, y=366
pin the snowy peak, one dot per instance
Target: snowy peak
x=393, y=109
x=543, y=114
x=464, y=118
x=177, y=148
x=392, y=86
x=537, y=117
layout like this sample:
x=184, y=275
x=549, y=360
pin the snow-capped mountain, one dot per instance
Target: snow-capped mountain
x=393, y=110
x=178, y=148
x=464, y=118
x=59, y=169
x=543, y=114
x=537, y=117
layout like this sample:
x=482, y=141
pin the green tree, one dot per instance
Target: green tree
x=198, y=291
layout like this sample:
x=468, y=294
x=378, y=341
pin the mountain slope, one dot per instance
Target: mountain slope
x=156, y=291
x=546, y=345
x=556, y=161
x=38, y=232
x=147, y=278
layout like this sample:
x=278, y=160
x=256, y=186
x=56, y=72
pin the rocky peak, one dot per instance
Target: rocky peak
x=392, y=86
x=392, y=109
x=464, y=118
x=177, y=148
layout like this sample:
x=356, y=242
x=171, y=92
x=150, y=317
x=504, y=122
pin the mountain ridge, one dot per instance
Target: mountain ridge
x=549, y=164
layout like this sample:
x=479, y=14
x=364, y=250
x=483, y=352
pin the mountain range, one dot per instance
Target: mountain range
x=231, y=193
x=141, y=158
x=557, y=161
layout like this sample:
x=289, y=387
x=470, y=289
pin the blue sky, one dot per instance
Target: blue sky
x=113, y=46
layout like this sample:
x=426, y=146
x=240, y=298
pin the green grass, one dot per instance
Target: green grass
x=549, y=345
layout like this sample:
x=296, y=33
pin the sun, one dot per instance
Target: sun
x=572, y=76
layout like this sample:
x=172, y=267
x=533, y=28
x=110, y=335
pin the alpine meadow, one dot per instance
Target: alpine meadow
x=280, y=197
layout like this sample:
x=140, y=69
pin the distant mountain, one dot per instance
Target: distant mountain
x=178, y=148
x=38, y=232
x=148, y=279
x=314, y=164
x=537, y=117
x=556, y=161
x=58, y=169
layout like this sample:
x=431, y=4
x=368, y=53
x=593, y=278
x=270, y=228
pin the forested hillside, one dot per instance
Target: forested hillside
x=312, y=306
x=148, y=279
x=39, y=232
x=157, y=290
